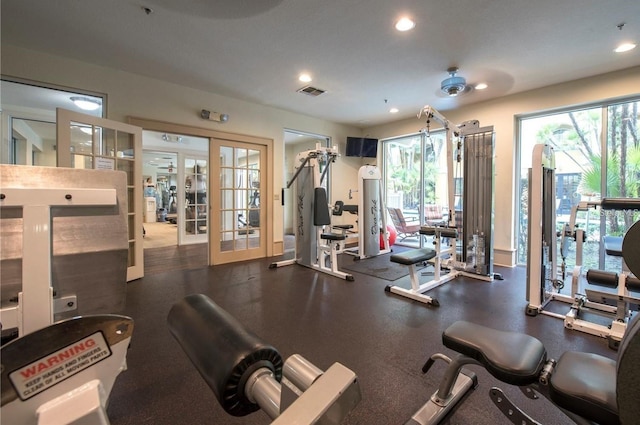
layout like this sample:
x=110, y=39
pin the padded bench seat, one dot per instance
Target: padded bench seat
x=333, y=236
x=586, y=383
x=511, y=357
x=413, y=256
x=580, y=382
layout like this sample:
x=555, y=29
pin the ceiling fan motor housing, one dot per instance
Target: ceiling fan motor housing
x=453, y=85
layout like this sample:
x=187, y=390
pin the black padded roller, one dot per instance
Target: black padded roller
x=633, y=283
x=602, y=278
x=222, y=350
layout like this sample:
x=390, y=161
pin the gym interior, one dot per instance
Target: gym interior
x=470, y=258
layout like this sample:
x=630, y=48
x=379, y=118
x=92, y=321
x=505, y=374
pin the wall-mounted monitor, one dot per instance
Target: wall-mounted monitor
x=363, y=147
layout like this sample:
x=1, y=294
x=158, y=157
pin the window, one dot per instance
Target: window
x=415, y=176
x=597, y=155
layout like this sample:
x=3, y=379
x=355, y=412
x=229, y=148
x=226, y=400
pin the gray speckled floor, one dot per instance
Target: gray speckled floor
x=384, y=338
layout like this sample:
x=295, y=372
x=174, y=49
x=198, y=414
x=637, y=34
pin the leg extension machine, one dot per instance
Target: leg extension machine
x=247, y=375
x=586, y=387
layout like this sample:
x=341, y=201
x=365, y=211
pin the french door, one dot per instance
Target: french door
x=238, y=215
x=88, y=142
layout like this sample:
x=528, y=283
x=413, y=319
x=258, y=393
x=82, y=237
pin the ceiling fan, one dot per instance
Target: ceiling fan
x=453, y=86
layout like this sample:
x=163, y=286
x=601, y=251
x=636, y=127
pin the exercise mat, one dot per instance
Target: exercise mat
x=379, y=266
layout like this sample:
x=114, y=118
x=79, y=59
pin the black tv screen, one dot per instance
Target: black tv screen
x=362, y=147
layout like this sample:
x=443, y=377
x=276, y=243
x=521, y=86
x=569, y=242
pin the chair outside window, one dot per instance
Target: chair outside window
x=404, y=228
x=434, y=215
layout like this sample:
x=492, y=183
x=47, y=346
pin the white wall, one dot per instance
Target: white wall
x=135, y=95
x=502, y=114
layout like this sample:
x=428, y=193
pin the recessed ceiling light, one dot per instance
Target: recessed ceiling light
x=481, y=86
x=625, y=47
x=405, y=24
x=393, y=110
x=305, y=78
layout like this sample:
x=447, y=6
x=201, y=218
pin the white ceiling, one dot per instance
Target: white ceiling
x=255, y=49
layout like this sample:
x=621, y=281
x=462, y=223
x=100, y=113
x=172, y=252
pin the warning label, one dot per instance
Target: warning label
x=50, y=370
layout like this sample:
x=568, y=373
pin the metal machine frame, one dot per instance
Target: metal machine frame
x=316, y=247
x=54, y=231
x=543, y=282
x=474, y=148
x=65, y=251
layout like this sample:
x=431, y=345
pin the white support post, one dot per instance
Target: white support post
x=35, y=308
x=35, y=301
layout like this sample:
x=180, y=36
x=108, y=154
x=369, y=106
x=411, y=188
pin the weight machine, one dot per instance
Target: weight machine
x=64, y=270
x=544, y=284
x=316, y=245
x=372, y=217
x=56, y=225
x=247, y=375
x=470, y=221
x=470, y=194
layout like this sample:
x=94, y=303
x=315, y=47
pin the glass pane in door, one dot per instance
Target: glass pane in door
x=239, y=198
x=196, y=217
x=94, y=143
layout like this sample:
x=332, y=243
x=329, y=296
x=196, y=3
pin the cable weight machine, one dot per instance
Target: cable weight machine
x=470, y=150
x=316, y=246
x=546, y=276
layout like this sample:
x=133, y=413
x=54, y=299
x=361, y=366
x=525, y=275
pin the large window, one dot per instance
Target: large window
x=415, y=176
x=597, y=154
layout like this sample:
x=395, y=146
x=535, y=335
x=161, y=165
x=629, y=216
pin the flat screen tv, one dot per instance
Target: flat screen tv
x=363, y=147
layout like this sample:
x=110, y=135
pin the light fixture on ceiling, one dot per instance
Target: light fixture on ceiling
x=393, y=110
x=305, y=78
x=480, y=86
x=453, y=85
x=405, y=24
x=625, y=46
x=86, y=103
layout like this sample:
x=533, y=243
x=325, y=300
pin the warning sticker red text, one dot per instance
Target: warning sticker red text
x=50, y=370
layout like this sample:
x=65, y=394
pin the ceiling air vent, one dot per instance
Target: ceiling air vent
x=311, y=91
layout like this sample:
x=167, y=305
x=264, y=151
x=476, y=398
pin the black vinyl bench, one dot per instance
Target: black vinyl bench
x=413, y=256
x=410, y=258
x=520, y=359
